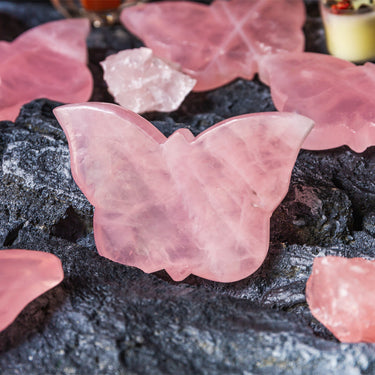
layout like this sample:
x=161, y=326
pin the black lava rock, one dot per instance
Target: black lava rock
x=107, y=318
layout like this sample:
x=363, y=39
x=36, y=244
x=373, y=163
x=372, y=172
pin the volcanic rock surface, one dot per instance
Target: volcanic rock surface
x=106, y=318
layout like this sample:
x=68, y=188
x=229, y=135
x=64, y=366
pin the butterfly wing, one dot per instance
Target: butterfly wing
x=24, y=276
x=218, y=43
x=332, y=92
x=47, y=61
x=117, y=161
x=231, y=178
x=65, y=37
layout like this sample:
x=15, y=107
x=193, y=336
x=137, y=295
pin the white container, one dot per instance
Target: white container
x=350, y=35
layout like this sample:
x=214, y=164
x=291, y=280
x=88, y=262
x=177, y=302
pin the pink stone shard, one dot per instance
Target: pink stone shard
x=332, y=92
x=24, y=276
x=218, y=43
x=340, y=293
x=142, y=82
x=185, y=204
x=46, y=61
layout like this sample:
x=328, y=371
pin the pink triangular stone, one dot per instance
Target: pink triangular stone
x=335, y=93
x=24, y=276
x=340, y=293
x=46, y=61
x=141, y=82
x=186, y=204
x=218, y=43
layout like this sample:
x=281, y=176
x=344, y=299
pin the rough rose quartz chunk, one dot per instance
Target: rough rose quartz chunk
x=335, y=93
x=142, y=82
x=184, y=204
x=46, y=61
x=24, y=276
x=341, y=295
x=218, y=43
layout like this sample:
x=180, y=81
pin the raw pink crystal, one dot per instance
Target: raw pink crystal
x=218, y=43
x=184, y=204
x=24, y=276
x=334, y=93
x=142, y=82
x=47, y=61
x=341, y=295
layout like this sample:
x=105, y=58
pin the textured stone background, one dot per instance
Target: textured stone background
x=107, y=318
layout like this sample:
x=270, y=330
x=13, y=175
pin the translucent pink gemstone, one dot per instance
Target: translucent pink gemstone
x=218, y=43
x=24, y=276
x=142, y=82
x=47, y=61
x=340, y=293
x=332, y=92
x=185, y=204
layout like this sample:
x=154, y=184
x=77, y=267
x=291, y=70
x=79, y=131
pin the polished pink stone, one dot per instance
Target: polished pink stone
x=185, y=204
x=47, y=61
x=334, y=93
x=142, y=82
x=24, y=276
x=218, y=43
x=341, y=295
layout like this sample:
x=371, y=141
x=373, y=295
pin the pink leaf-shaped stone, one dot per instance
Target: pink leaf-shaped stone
x=335, y=93
x=24, y=276
x=340, y=293
x=142, y=82
x=218, y=43
x=184, y=204
x=46, y=61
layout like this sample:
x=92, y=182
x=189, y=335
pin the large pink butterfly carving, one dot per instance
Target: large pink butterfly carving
x=218, y=43
x=335, y=93
x=46, y=61
x=185, y=204
x=24, y=276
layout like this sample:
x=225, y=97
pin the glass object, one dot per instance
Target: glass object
x=100, y=12
x=350, y=28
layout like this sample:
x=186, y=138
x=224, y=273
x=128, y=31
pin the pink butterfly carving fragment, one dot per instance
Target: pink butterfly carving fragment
x=218, y=43
x=340, y=294
x=334, y=93
x=24, y=276
x=46, y=61
x=185, y=204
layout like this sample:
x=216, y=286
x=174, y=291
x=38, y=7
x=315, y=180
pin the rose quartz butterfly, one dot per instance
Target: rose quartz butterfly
x=24, y=276
x=185, y=204
x=47, y=61
x=335, y=93
x=218, y=43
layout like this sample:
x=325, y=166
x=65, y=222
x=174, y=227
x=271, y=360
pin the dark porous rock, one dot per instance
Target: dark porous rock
x=315, y=215
x=36, y=187
x=107, y=318
x=112, y=319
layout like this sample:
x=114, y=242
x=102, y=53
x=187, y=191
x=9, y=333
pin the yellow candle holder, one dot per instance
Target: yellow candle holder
x=350, y=32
